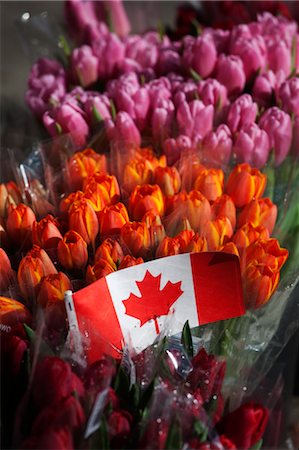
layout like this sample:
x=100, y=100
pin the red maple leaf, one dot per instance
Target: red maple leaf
x=152, y=302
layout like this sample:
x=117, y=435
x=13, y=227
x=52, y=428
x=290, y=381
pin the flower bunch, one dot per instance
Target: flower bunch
x=191, y=93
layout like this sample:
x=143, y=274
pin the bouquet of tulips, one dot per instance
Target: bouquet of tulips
x=158, y=149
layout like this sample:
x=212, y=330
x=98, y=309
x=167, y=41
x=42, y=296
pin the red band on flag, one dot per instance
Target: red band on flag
x=217, y=286
x=97, y=317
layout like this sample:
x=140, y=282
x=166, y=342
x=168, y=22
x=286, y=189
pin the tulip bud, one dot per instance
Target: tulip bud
x=68, y=201
x=102, y=268
x=112, y=218
x=32, y=268
x=168, y=247
x=224, y=207
x=197, y=244
x=146, y=198
x=136, y=172
x=230, y=73
x=83, y=220
x=217, y=232
x=136, y=237
x=229, y=247
x=7, y=275
x=46, y=233
x=111, y=251
x=9, y=195
x=19, y=223
x=259, y=212
x=82, y=165
x=106, y=184
x=252, y=145
x=210, y=183
x=217, y=145
x=169, y=180
x=248, y=234
x=13, y=312
x=52, y=288
x=155, y=228
x=84, y=65
x=184, y=238
x=192, y=206
x=129, y=261
x=245, y=184
x=72, y=251
x=267, y=251
x=242, y=112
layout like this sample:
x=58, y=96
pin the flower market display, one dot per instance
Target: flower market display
x=149, y=247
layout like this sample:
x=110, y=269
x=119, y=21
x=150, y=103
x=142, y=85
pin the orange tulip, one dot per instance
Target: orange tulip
x=94, y=195
x=146, y=198
x=169, y=180
x=112, y=218
x=105, y=185
x=68, y=201
x=193, y=206
x=210, y=183
x=168, y=247
x=147, y=154
x=136, y=237
x=111, y=251
x=155, y=228
x=217, y=232
x=259, y=282
x=224, y=207
x=9, y=195
x=248, y=234
x=245, y=184
x=197, y=244
x=52, y=288
x=19, y=223
x=259, y=212
x=229, y=247
x=184, y=238
x=102, y=268
x=32, y=268
x=7, y=275
x=13, y=313
x=189, y=169
x=83, y=164
x=46, y=233
x=83, y=220
x=72, y=251
x=129, y=261
x=136, y=172
x=264, y=259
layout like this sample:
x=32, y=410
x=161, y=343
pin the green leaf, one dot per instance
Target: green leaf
x=161, y=31
x=58, y=128
x=44, y=349
x=121, y=383
x=113, y=109
x=174, y=439
x=195, y=75
x=257, y=446
x=96, y=115
x=186, y=340
x=62, y=43
x=100, y=439
x=201, y=431
x=197, y=27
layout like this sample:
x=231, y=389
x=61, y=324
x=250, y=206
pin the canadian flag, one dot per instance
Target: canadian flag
x=133, y=305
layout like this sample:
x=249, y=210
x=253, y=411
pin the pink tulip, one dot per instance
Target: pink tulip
x=84, y=65
x=96, y=108
x=127, y=83
x=168, y=61
x=162, y=120
x=212, y=92
x=110, y=51
x=242, y=112
x=67, y=118
x=252, y=145
x=159, y=90
x=278, y=125
x=195, y=119
x=46, y=85
x=141, y=50
x=174, y=148
x=253, y=53
x=200, y=54
x=78, y=15
x=279, y=56
x=265, y=86
x=117, y=15
x=216, y=146
x=220, y=37
x=123, y=132
x=289, y=96
x=230, y=72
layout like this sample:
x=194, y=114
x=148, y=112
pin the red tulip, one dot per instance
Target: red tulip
x=245, y=184
x=83, y=220
x=112, y=218
x=46, y=233
x=72, y=251
x=146, y=198
x=13, y=313
x=19, y=223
